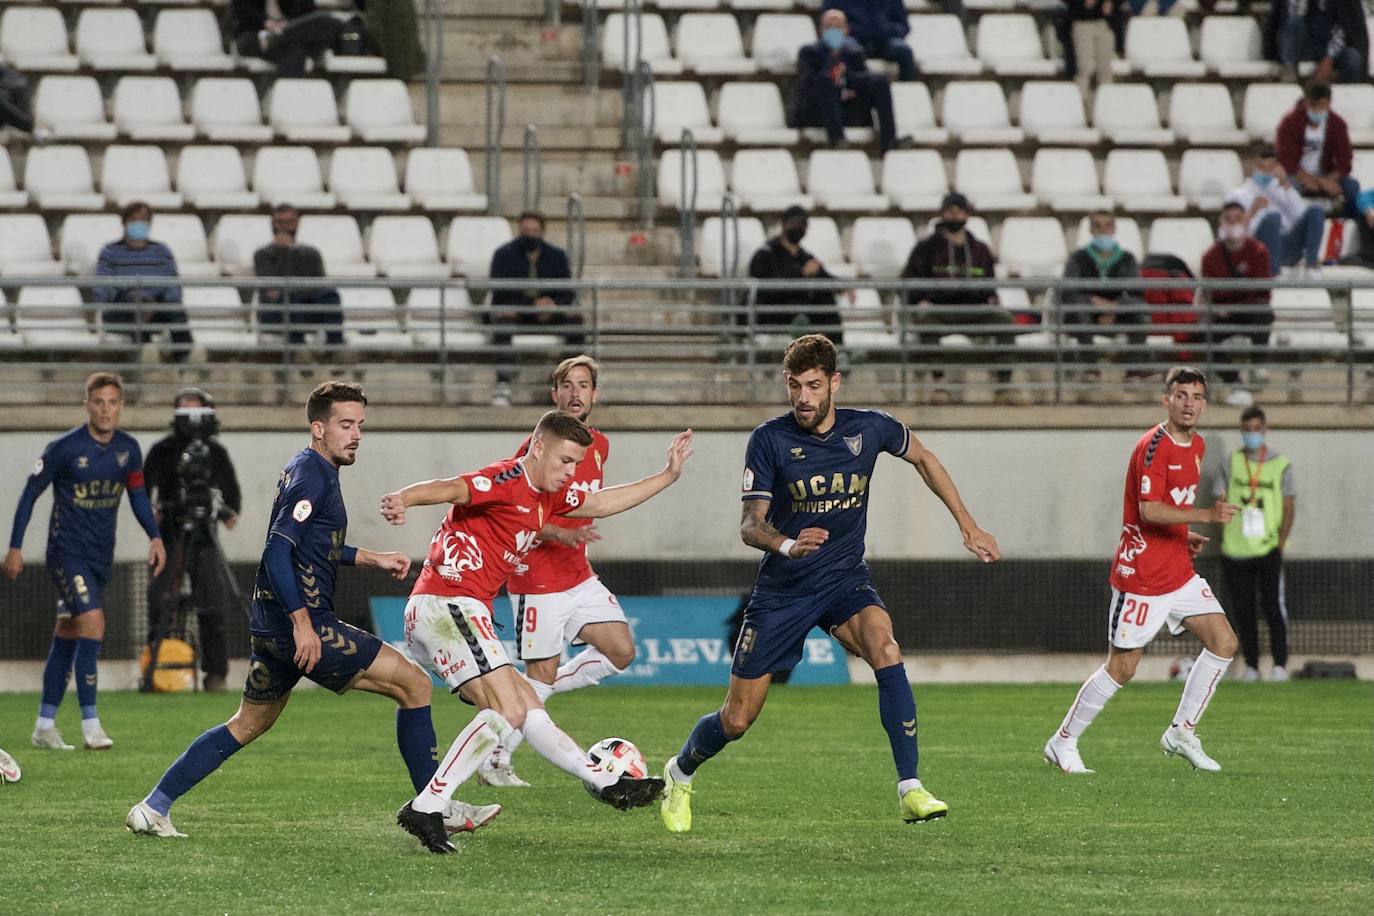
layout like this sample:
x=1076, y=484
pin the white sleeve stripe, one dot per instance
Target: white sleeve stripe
x=906, y=441
x=757, y=494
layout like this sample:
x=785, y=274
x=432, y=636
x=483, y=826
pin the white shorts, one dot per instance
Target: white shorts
x=1134, y=620
x=453, y=638
x=547, y=624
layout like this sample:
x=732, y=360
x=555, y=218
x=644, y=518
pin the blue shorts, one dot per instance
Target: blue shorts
x=80, y=586
x=775, y=626
x=345, y=653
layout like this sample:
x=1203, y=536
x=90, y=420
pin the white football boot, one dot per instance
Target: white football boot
x=50, y=739
x=144, y=821
x=9, y=768
x=95, y=737
x=1184, y=743
x=1279, y=674
x=499, y=773
x=460, y=817
x=1064, y=754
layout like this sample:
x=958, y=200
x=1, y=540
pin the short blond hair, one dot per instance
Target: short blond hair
x=560, y=374
x=97, y=380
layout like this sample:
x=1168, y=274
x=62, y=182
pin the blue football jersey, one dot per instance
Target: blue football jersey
x=308, y=511
x=818, y=481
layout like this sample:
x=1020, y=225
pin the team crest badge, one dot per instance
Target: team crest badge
x=82, y=461
x=797, y=453
x=122, y=458
x=597, y=455
x=855, y=443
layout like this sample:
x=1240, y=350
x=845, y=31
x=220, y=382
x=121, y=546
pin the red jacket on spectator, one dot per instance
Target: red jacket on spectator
x=1336, y=153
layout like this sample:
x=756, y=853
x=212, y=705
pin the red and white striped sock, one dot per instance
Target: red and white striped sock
x=1092, y=696
x=486, y=730
x=1199, y=688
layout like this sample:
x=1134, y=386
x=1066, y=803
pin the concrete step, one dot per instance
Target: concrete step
x=545, y=104
x=478, y=10
x=473, y=137
x=517, y=41
x=559, y=174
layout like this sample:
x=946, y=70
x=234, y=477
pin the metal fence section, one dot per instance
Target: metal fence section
x=496, y=127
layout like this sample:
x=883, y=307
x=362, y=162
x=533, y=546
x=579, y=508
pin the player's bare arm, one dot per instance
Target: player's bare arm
x=157, y=555
x=397, y=564
x=14, y=563
x=306, y=639
x=426, y=493
x=977, y=541
x=1157, y=513
x=617, y=499
x=1195, y=542
x=569, y=537
x=755, y=530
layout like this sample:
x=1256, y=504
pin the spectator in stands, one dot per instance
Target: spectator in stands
x=286, y=32
x=529, y=257
x=880, y=27
x=1094, y=41
x=283, y=257
x=951, y=252
x=1104, y=310
x=155, y=308
x=1364, y=225
x=1290, y=227
x=1237, y=312
x=1313, y=145
x=835, y=87
x=783, y=258
x=1330, y=32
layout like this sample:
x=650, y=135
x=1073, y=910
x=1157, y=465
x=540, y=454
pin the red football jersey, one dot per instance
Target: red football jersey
x=552, y=567
x=1153, y=559
x=478, y=545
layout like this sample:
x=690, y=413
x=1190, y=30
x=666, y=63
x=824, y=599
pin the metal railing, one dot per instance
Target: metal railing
x=434, y=61
x=591, y=47
x=496, y=128
x=729, y=245
x=642, y=145
x=687, y=212
x=577, y=235
x=532, y=170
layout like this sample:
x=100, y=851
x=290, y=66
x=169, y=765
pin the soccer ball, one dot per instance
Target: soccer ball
x=1179, y=670
x=618, y=757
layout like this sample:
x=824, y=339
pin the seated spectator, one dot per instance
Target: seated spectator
x=1236, y=312
x=1364, y=225
x=1105, y=310
x=1330, y=32
x=880, y=28
x=1094, y=41
x=835, y=87
x=155, y=309
x=952, y=253
x=16, y=104
x=1313, y=145
x=783, y=258
x=286, y=32
x=1288, y=226
x=529, y=257
x=283, y=257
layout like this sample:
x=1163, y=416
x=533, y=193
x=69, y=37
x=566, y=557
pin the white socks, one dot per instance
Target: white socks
x=44, y=723
x=1092, y=696
x=1198, y=689
x=487, y=729
x=501, y=756
x=677, y=774
x=558, y=749
x=587, y=669
x=906, y=785
x=90, y=727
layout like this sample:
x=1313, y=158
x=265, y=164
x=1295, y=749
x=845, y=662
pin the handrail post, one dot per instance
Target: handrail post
x=729, y=244
x=644, y=146
x=591, y=47
x=577, y=235
x=496, y=126
x=687, y=211
x=532, y=169
x=434, y=57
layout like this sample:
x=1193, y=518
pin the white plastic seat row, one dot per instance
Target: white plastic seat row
x=705, y=43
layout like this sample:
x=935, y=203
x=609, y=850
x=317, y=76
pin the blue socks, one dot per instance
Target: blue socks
x=87, y=652
x=419, y=746
x=897, y=709
x=199, y=760
x=55, y=673
x=707, y=740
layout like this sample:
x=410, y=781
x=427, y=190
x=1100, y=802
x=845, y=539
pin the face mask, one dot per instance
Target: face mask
x=952, y=225
x=1263, y=179
x=833, y=38
x=137, y=231
x=1104, y=242
x=529, y=242
x=1318, y=118
x=794, y=234
x=1231, y=232
x=1253, y=441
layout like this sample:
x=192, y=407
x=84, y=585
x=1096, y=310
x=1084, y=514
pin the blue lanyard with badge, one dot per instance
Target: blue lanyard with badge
x=1251, y=516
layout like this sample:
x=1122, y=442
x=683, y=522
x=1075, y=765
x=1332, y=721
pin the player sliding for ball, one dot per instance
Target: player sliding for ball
x=805, y=496
x=497, y=515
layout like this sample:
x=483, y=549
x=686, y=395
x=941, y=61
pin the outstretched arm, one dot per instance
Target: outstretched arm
x=977, y=541
x=398, y=564
x=617, y=499
x=1157, y=513
x=756, y=531
x=427, y=493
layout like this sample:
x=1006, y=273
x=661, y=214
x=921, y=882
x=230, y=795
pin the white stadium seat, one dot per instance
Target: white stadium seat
x=1362, y=169
x=236, y=237
x=976, y=112
x=1052, y=113
x=11, y=198
x=189, y=40
x=755, y=5
x=1128, y=114
x=82, y=237
x=290, y=175
x=429, y=306
x=379, y=111
x=1032, y=246
x=471, y=242
x=1185, y=237
x=441, y=179
x=213, y=178
x=822, y=239
x=880, y=245
x=1127, y=235
x=765, y=180
x=226, y=110
x=1303, y=318
x=714, y=234
x=1010, y=45
x=59, y=178
x=112, y=40
x=72, y=108
x=991, y=180
x=914, y=114
x=25, y=249
x=1139, y=182
x=1201, y=114
x=1206, y=176
x=184, y=233
x=149, y=108
x=371, y=319
x=53, y=316
x=940, y=46
x=34, y=38
x=405, y=246
x=843, y=180
x=130, y=173
x=1264, y=106
x=1355, y=103
x=364, y=178
x=1230, y=46
x=678, y=106
x=340, y=244
x=304, y=111
x=864, y=318
x=914, y=179
x=710, y=43
x=1158, y=46
x=217, y=317
x=618, y=52
x=710, y=180
x=751, y=114
x=778, y=37
x=1065, y=180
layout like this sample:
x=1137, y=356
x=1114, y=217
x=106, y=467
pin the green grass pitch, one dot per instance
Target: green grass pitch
x=799, y=817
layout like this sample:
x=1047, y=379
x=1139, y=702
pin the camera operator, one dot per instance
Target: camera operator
x=193, y=486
